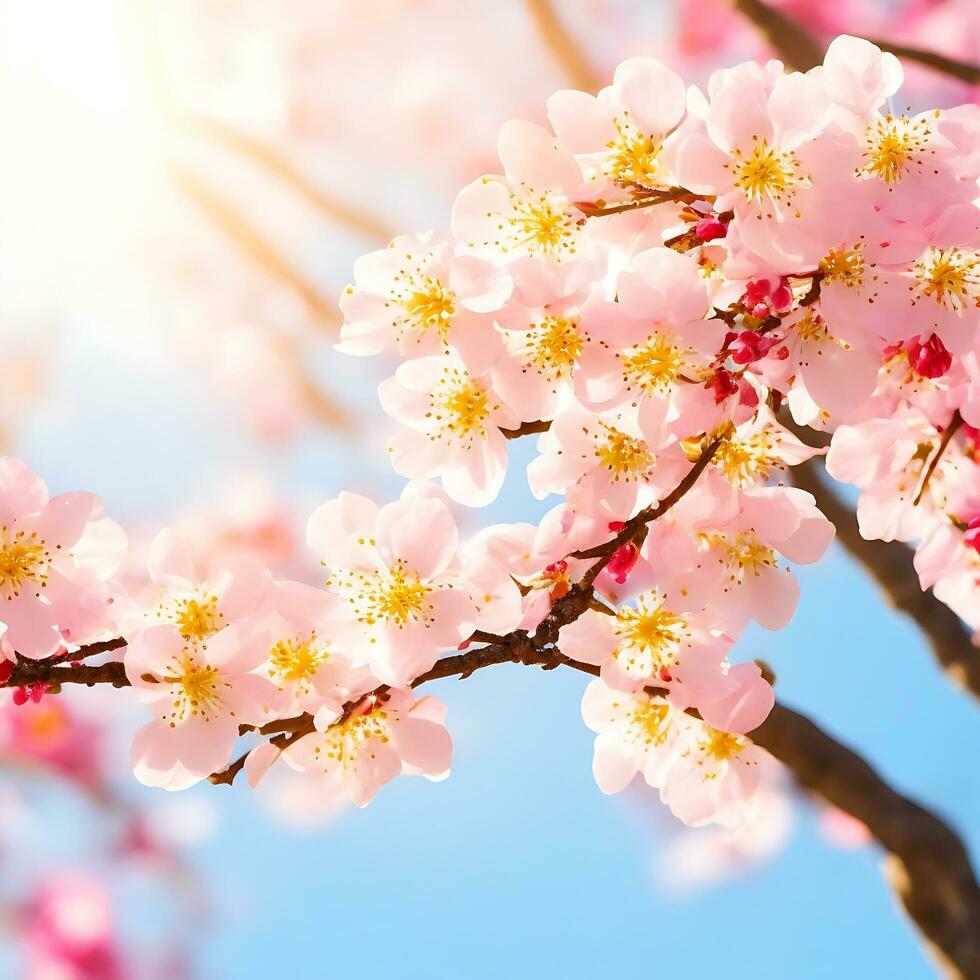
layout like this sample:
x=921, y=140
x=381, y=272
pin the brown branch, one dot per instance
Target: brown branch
x=966, y=71
x=266, y=156
x=52, y=671
x=633, y=526
x=562, y=45
x=792, y=42
x=29, y=672
x=649, y=199
x=889, y=563
x=954, y=424
x=929, y=867
x=527, y=428
x=799, y=50
x=254, y=245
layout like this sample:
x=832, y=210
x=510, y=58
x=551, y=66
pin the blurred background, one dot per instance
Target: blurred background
x=184, y=186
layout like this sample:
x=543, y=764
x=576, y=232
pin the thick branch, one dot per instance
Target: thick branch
x=793, y=43
x=253, y=244
x=799, y=50
x=53, y=670
x=890, y=564
x=930, y=868
x=266, y=156
x=562, y=45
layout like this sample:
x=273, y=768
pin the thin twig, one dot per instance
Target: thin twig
x=954, y=424
x=527, y=428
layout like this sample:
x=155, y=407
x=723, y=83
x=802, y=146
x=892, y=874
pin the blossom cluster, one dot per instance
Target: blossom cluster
x=661, y=286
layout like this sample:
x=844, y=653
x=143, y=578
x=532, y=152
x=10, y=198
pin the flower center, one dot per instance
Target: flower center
x=766, y=174
x=654, y=366
x=893, y=145
x=811, y=328
x=343, y=743
x=554, y=346
x=741, y=553
x=396, y=596
x=649, y=722
x=24, y=558
x=296, y=661
x=623, y=456
x=844, y=265
x=461, y=405
x=196, y=689
x=197, y=618
x=633, y=157
x=744, y=459
x=541, y=223
x=721, y=745
x=649, y=636
x=949, y=276
x=426, y=302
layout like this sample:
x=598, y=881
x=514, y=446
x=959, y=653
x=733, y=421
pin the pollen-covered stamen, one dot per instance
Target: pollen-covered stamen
x=624, y=457
x=894, y=145
x=196, y=616
x=845, y=265
x=539, y=223
x=24, y=562
x=741, y=553
x=655, y=365
x=716, y=747
x=553, y=347
x=424, y=302
x=633, y=157
x=395, y=596
x=949, y=276
x=294, y=661
x=196, y=687
x=461, y=406
x=649, y=636
x=746, y=459
x=344, y=742
x=767, y=176
x=647, y=723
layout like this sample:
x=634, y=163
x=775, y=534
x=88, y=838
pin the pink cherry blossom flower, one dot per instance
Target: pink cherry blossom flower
x=451, y=420
x=55, y=557
x=617, y=137
x=530, y=210
x=635, y=733
x=197, y=594
x=384, y=738
x=417, y=297
x=396, y=570
x=199, y=691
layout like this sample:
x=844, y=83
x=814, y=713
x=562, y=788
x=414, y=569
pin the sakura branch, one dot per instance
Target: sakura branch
x=643, y=287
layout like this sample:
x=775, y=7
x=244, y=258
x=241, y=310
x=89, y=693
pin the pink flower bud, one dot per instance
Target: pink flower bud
x=622, y=562
x=972, y=536
x=710, y=228
x=724, y=384
x=930, y=359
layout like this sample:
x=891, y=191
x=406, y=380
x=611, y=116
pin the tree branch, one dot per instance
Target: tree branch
x=264, y=155
x=562, y=45
x=890, y=564
x=792, y=42
x=929, y=867
x=527, y=428
x=253, y=244
x=798, y=48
